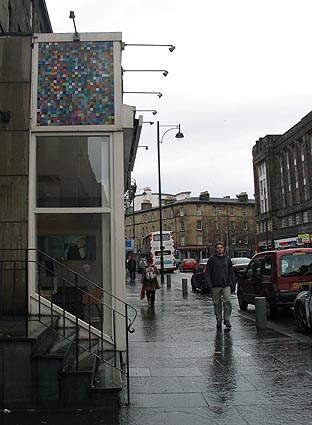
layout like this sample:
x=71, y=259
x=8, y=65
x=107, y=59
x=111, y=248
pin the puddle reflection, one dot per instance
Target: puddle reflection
x=223, y=367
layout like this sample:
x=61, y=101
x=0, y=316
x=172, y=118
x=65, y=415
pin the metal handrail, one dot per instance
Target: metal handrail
x=98, y=301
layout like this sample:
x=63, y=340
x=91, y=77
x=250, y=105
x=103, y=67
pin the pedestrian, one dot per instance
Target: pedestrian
x=221, y=279
x=142, y=265
x=131, y=266
x=150, y=283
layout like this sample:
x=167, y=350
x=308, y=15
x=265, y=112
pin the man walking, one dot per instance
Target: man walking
x=131, y=266
x=220, y=278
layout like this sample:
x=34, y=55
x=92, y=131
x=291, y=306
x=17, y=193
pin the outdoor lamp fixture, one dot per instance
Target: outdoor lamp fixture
x=144, y=92
x=160, y=138
x=147, y=110
x=171, y=47
x=5, y=116
x=72, y=16
x=164, y=71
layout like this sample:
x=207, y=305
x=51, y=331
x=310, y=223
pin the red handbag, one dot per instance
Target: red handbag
x=142, y=294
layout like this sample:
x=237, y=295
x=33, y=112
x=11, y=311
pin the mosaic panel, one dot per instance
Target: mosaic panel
x=75, y=83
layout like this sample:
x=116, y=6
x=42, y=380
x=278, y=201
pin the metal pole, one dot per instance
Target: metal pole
x=133, y=223
x=266, y=219
x=162, y=279
x=227, y=232
x=266, y=231
x=260, y=304
x=127, y=356
x=76, y=320
x=27, y=294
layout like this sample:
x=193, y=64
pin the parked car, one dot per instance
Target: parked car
x=198, y=280
x=188, y=264
x=239, y=264
x=275, y=275
x=303, y=306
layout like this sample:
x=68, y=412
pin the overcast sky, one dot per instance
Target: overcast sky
x=241, y=69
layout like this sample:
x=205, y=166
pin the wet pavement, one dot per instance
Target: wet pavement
x=183, y=371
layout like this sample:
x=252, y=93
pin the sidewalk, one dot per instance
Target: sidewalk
x=184, y=371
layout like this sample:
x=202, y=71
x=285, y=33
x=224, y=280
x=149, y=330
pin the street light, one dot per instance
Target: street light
x=72, y=16
x=164, y=71
x=171, y=47
x=143, y=92
x=132, y=192
x=179, y=135
x=153, y=111
x=227, y=231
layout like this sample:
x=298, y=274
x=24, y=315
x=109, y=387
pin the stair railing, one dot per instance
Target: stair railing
x=66, y=294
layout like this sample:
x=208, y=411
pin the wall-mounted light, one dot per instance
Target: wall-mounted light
x=171, y=47
x=5, y=116
x=76, y=35
x=164, y=71
x=143, y=92
x=148, y=122
x=153, y=111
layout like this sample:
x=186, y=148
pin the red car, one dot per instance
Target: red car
x=277, y=276
x=188, y=264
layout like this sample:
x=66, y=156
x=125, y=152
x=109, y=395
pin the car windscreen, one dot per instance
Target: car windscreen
x=296, y=264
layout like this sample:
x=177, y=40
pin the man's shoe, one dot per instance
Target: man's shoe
x=227, y=324
x=219, y=324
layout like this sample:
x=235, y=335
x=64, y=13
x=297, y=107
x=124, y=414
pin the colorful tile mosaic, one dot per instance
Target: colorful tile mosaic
x=75, y=83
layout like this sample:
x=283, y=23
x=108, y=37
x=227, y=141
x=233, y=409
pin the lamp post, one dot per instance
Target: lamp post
x=227, y=227
x=266, y=219
x=160, y=138
x=228, y=232
x=133, y=190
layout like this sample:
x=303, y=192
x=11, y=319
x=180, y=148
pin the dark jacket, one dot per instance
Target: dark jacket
x=131, y=265
x=219, y=272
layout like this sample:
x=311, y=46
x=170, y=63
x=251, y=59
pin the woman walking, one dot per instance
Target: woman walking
x=150, y=283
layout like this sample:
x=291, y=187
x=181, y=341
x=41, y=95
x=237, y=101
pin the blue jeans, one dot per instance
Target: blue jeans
x=222, y=295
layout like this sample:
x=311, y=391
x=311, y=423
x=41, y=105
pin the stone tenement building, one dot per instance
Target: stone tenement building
x=283, y=186
x=197, y=223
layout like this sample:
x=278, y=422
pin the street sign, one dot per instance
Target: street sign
x=129, y=244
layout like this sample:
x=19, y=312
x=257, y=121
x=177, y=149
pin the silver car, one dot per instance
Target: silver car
x=303, y=308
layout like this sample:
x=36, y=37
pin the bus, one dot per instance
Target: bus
x=151, y=248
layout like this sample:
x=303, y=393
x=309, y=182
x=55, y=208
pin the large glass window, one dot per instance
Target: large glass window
x=79, y=241
x=73, y=171
x=296, y=264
